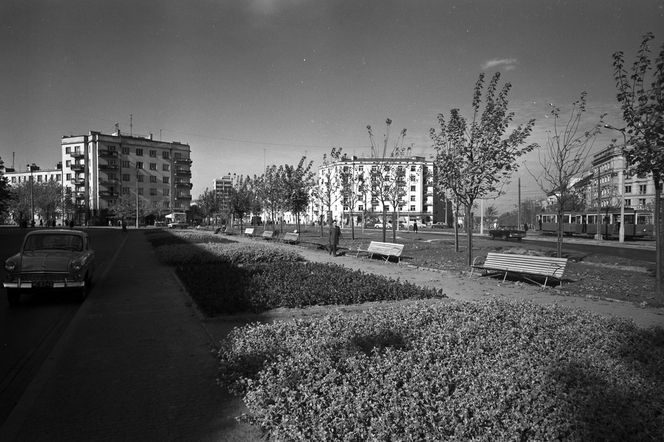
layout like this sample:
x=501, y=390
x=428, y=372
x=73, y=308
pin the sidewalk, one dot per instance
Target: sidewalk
x=135, y=364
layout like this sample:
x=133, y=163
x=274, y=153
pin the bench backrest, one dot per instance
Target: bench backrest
x=292, y=237
x=538, y=265
x=385, y=248
x=269, y=233
x=249, y=231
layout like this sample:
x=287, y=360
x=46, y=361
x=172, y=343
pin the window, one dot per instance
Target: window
x=112, y=176
x=139, y=152
x=412, y=198
x=628, y=202
x=140, y=191
x=67, y=149
x=139, y=164
x=167, y=204
x=642, y=201
x=360, y=207
x=628, y=189
x=153, y=191
x=125, y=163
x=125, y=177
x=166, y=192
x=166, y=167
x=125, y=190
x=153, y=179
x=412, y=208
x=165, y=155
x=178, y=205
x=412, y=168
x=139, y=178
x=412, y=189
x=69, y=177
x=153, y=153
x=642, y=189
x=166, y=179
x=153, y=166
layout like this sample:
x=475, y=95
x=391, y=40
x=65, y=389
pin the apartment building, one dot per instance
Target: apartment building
x=609, y=183
x=30, y=175
x=222, y=187
x=99, y=169
x=415, y=200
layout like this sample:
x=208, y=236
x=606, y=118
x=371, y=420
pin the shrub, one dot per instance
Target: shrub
x=228, y=289
x=204, y=253
x=487, y=371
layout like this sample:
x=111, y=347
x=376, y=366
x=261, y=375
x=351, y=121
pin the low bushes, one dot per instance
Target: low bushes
x=486, y=371
x=204, y=253
x=226, y=289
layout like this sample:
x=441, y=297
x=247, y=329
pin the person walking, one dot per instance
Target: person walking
x=335, y=235
x=415, y=227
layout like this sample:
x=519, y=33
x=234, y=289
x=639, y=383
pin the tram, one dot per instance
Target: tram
x=638, y=223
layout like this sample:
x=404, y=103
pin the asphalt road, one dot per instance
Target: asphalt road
x=29, y=331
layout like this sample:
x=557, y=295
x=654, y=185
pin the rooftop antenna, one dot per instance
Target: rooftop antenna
x=131, y=125
x=13, y=158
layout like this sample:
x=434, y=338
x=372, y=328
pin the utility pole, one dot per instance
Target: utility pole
x=518, y=209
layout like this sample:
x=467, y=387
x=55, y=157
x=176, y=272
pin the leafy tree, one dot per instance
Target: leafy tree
x=354, y=187
x=642, y=105
x=271, y=191
x=329, y=185
x=298, y=182
x=240, y=198
x=5, y=196
x=208, y=203
x=565, y=157
x=474, y=158
x=47, y=199
x=123, y=207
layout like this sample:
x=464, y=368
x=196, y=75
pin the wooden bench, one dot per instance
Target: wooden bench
x=524, y=265
x=249, y=232
x=384, y=249
x=291, y=238
x=269, y=234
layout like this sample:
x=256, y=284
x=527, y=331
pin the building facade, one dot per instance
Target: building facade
x=100, y=169
x=30, y=176
x=362, y=187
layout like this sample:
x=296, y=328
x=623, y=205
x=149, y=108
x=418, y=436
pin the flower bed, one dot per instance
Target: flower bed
x=464, y=371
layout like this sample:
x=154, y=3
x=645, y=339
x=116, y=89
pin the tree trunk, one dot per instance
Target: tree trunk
x=559, y=247
x=455, y=222
x=384, y=224
x=469, y=233
x=659, y=238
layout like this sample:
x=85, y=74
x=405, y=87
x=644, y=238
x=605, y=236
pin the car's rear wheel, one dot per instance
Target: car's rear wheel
x=13, y=297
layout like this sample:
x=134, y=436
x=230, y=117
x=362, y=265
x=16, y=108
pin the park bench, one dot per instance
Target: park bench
x=384, y=249
x=269, y=234
x=524, y=265
x=249, y=232
x=291, y=238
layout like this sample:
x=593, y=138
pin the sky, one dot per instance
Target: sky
x=252, y=83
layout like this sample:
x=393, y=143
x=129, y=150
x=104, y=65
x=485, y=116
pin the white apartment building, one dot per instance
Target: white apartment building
x=33, y=174
x=98, y=169
x=416, y=199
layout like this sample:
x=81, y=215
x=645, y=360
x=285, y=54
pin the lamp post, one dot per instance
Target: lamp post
x=621, y=180
x=32, y=195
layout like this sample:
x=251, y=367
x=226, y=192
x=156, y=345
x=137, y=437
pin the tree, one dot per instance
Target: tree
x=240, y=198
x=271, y=191
x=643, y=111
x=564, y=160
x=354, y=187
x=47, y=199
x=298, y=182
x=474, y=158
x=123, y=208
x=387, y=176
x=208, y=204
x=328, y=188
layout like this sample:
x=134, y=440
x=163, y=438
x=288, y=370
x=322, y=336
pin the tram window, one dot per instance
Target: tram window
x=629, y=219
x=644, y=219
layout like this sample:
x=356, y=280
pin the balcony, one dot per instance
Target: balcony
x=105, y=153
x=78, y=182
x=181, y=172
x=183, y=185
x=108, y=167
x=78, y=167
x=183, y=197
x=108, y=194
x=77, y=155
x=79, y=195
x=182, y=161
x=108, y=182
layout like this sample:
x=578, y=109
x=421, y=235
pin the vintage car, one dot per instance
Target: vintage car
x=178, y=225
x=51, y=260
x=507, y=232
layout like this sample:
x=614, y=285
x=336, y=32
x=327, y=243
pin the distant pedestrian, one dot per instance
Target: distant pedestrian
x=71, y=224
x=335, y=235
x=525, y=227
x=124, y=227
x=415, y=227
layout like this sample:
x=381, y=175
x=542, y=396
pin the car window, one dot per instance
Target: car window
x=54, y=242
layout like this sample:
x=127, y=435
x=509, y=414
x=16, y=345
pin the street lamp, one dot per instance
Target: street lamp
x=32, y=196
x=621, y=173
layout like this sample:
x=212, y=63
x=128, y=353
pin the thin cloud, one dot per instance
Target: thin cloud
x=507, y=64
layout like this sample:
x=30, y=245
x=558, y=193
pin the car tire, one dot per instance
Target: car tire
x=13, y=297
x=82, y=292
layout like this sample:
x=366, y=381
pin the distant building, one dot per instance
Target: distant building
x=419, y=200
x=34, y=174
x=222, y=188
x=98, y=169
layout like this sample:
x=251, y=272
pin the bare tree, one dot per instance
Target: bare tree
x=474, y=158
x=328, y=188
x=564, y=158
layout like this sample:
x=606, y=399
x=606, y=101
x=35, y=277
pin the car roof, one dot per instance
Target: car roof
x=57, y=232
